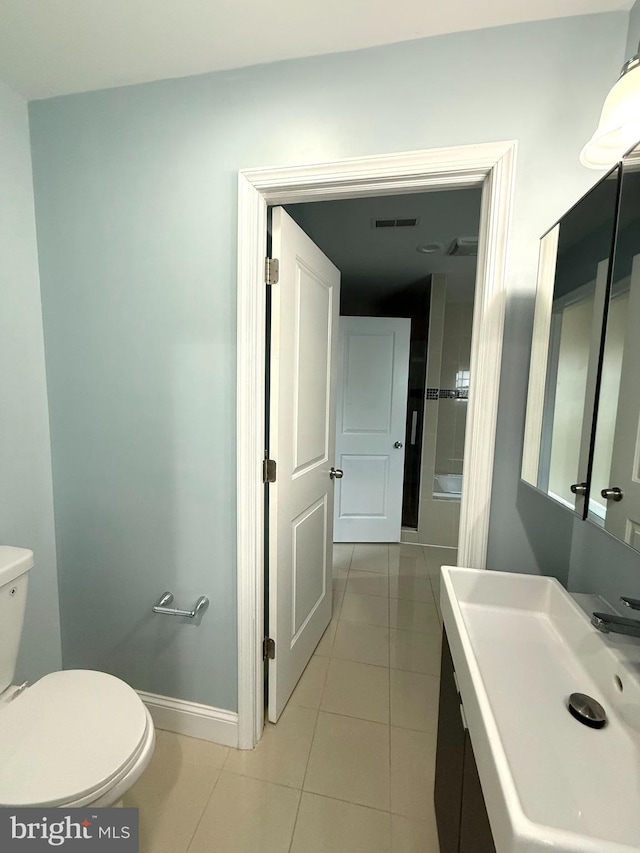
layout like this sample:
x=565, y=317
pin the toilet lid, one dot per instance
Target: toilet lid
x=67, y=735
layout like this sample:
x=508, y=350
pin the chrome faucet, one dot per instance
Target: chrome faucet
x=610, y=623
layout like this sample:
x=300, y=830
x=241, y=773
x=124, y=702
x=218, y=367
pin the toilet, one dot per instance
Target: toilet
x=74, y=738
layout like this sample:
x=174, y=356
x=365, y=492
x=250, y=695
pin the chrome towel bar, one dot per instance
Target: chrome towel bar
x=167, y=598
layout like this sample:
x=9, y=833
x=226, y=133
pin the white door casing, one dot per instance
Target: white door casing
x=371, y=413
x=488, y=165
x=305, y=305
x=623, y=517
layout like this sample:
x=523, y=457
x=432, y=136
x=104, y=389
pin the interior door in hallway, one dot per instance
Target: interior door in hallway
x=370, y=431
x=305, y=306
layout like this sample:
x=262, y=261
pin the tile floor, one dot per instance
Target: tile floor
x=349, y=767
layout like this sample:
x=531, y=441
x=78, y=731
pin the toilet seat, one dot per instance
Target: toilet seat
x=110, y=792
x=69, y=738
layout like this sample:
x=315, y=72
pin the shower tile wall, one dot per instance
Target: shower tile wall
x=444, y=429
x=452, y=413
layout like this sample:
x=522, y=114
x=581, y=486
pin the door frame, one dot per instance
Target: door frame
x=488, y=165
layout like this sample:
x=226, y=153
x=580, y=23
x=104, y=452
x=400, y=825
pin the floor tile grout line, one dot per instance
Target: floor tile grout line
x=352, y=803
x=375, y=722
x=363, y=662
x=362, y=805
x=431, y=732
x=388, y=811
x=264, y=781
x=415, y=672
x=313, y=737
x=412, y=630
x=324, y=684
x=206, y=805
x=349, y=717
x=353, y=717
x=254, y=779
x=391, y=666
x=295, y=823
x=306, y=767
x=315, y=726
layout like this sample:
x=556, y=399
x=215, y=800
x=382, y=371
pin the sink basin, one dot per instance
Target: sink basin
x=520, y=646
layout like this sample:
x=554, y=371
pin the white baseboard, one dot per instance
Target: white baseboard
x=192, y=719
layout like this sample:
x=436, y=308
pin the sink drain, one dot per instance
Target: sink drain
x=587, y=710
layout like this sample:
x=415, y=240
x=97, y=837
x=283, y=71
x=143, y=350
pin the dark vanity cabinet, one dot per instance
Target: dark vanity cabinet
x=475, y=831
x=461, y=815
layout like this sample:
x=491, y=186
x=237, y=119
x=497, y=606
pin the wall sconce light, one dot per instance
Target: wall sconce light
x=619, y=126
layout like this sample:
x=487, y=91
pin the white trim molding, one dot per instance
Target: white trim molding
x=192, y=719
x=487, y=165
x=539, y=356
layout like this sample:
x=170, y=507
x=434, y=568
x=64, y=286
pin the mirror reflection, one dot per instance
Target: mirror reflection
x=614, y=501
x=572, y=287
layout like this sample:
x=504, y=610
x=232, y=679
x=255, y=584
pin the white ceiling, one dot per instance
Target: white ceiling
x=55, y=47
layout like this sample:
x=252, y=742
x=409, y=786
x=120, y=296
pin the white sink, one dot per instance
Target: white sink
x=520, y=646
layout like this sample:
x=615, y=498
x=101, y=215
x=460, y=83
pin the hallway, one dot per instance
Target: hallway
x=349, y=767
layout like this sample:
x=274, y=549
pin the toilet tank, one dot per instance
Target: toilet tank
x=14, y=576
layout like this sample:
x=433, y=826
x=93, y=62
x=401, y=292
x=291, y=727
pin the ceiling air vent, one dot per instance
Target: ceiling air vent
x=463, y=247
x=394, y=223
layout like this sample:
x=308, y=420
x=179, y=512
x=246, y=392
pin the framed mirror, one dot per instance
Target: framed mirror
x=573, y=282
x=614, y=501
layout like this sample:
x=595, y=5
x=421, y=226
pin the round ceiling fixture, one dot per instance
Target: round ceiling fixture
x=429, y=248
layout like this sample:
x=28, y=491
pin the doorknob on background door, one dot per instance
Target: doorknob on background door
x=336, y=473
x=398, y=445
x=612, y=494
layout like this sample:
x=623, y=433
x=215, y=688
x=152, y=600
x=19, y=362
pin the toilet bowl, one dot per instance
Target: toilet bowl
x=73, y=738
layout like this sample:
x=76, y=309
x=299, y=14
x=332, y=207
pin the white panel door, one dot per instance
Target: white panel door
x=304, y=331
x=623, y=517
x=370, y=431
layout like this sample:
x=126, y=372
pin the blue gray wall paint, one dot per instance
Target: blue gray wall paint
x=26, y=494
x=633, y=33
x=136, y=211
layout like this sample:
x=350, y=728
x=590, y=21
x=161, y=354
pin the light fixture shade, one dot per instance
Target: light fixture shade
x=619, y=126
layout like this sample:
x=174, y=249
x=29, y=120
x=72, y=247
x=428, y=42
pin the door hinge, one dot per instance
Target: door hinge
x=269, y=471
x=271, y=270
x=268, y=649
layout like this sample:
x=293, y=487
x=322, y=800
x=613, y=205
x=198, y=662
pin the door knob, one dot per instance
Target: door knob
x=336, y=473
x=612, y=494
x=398, y=445
x=579, y=488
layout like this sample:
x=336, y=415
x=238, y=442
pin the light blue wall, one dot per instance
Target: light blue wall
x=136, y=208
x=26, y=495
x=633, y=33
